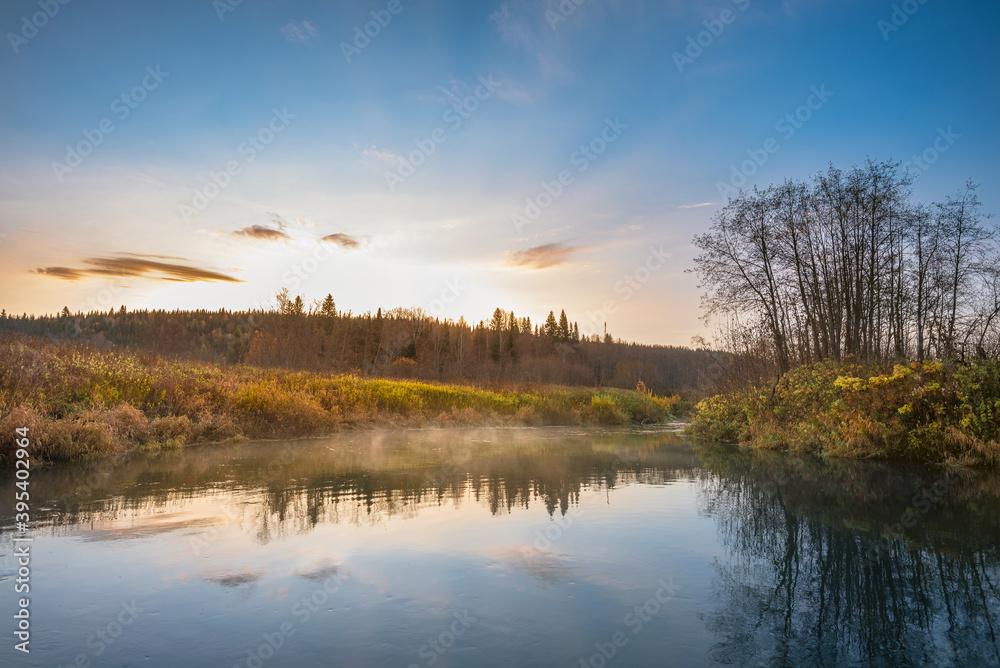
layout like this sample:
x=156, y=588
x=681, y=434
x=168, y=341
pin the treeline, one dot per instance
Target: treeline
x=399, y=343
x=848, y=265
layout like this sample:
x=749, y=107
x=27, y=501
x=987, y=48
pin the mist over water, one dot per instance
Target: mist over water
x=528, y=547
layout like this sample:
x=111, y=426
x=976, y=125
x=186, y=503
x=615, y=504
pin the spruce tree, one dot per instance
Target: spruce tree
x=551, y=326
x=563, y=326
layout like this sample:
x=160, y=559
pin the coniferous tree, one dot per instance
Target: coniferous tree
x=328, y=308
x=563, y=326
x=551, y=326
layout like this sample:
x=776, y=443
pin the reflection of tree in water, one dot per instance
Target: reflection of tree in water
x=811, y=578
x=290, y=488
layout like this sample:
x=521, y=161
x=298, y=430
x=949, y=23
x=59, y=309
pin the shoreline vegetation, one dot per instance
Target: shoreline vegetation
x=930, y=411
x=79, y=402
x=860, y=321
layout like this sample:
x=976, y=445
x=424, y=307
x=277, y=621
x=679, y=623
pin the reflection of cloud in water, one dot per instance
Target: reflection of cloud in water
x=539, y=564
x=144, y=526
x=325, y=569
x=232, y=579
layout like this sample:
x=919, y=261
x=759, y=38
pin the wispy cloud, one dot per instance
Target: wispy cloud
x=302, y=32
x=695, y=206
x=521, y=24
x=65, y=273
x=324, y=570
x=261, y=232
x=382, y=154
x=345, y=241
x=138, y=266
x=541, y=257
x=232, y=579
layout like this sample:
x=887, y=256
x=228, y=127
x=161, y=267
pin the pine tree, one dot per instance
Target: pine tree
x=329, y=308
x=576, y=333
x=563, y=326
x=551, y=326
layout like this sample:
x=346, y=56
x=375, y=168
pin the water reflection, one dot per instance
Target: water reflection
x=816, y=571
x=781, y=561
x=361, y=481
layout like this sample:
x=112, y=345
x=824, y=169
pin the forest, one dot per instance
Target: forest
x=401, y=343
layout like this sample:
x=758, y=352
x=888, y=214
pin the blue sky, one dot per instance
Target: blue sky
x=309, y=205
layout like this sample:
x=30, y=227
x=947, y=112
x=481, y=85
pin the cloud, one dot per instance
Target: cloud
x=539, y=564
x=277, y=220
x=695, y=206
x=65, y=273
x=513, y=27
x=324, y=570
x=261, y=232
x=134, y=265
x=345, y=241
x=232, y=579
x=541, y=257
x=301, y=31
x=382, y=154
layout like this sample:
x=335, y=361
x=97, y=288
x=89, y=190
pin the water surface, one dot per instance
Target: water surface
x=519, y=547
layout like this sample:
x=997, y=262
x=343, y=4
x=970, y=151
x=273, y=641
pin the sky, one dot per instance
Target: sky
x=453, y=155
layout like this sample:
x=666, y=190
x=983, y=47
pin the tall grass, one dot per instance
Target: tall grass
x=78, y=402
x=930, y=412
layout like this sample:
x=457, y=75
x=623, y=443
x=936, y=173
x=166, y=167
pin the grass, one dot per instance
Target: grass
x=80, y=403
x=928, y=412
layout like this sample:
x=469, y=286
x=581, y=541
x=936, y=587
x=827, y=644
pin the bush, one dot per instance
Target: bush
x=918, y=411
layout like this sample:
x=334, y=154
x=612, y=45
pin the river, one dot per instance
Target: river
x=507, y=547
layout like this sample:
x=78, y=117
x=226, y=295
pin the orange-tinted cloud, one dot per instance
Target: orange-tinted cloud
x=131, y=265
x=65, y=273
x=541, y=257
x=261, y=232
x=345, y=241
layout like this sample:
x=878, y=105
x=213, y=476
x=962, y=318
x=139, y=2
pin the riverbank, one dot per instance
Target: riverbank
x=78, y=402
x=929, y=412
